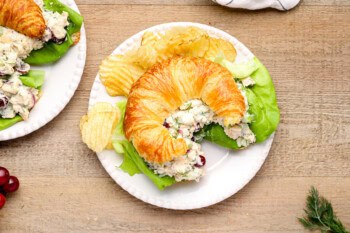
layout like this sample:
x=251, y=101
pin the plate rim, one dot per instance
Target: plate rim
x=112, y=171
x=77, y=73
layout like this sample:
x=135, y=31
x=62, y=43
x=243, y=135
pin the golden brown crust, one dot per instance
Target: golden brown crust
x=76, y=38
x=24, y=16
x=163, y=89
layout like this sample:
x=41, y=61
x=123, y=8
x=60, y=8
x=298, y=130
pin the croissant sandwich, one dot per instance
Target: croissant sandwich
x=182, y=87
x=166, y=87
x=24, y=16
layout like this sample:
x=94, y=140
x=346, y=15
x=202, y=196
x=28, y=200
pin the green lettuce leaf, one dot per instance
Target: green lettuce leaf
x=34, y=78
x=262, y=104
x=51, y=52
x=6, y=123
x=238, y=70
x=132, y=162
x=118, y=139
x=128, y=164
x=160, y=182
x=215, y=133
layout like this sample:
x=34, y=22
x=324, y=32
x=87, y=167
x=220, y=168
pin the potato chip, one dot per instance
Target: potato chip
x=217, y=46
x=97, y=126
x=185, y=41
x=149, y=38
x=145, y=57
x=150, y=50
x=178, y=41
x=118, y=74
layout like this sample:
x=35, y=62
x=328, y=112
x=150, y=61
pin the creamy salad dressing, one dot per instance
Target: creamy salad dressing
x=191, y=117
x=15, y=98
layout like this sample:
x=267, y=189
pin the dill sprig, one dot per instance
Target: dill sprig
x=320, y=215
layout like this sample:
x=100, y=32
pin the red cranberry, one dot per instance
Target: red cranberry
x=12, y=185
x=2, y=200
x=22, y=67
x=198, y=127
x=3, y=101
x=4, y=176
x=2, y=191
x=58, y=41
x=166, y=125
x=203, y=161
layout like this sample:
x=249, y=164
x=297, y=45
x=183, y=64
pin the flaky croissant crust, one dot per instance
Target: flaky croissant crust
x=23, y=16
x=163, y=89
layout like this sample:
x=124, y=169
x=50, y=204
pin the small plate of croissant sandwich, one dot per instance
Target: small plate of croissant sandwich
x=42, y=57
x=181, y=115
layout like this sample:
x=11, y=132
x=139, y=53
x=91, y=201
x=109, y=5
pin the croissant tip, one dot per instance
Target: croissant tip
x=23, y=16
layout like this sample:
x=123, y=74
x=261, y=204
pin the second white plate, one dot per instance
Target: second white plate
x=61, y=80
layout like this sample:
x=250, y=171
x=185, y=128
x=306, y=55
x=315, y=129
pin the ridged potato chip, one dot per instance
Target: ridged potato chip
x=97, y=126
x=217, y=46
x=117, y=74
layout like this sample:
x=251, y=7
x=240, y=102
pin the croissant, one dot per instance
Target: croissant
x=163, y=89
x=24, y=16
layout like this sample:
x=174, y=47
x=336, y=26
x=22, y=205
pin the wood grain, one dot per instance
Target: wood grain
x=307, y=51
x=200, y=2
x=98, y=204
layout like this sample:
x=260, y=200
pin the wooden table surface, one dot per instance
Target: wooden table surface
x=64, y=188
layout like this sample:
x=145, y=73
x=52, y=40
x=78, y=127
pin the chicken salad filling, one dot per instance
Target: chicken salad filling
x=16, y=98
x=184, y=123
x=190, y=118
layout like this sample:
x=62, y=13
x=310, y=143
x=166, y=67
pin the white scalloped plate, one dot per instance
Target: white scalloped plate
x=226, y=171
x=61, y=80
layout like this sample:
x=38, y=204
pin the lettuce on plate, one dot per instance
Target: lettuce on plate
x=262, y=103
x=34, y=79
x=51, y=51
x=133, y=163
x=215, y=133
x=6, y=123
x=239, y=70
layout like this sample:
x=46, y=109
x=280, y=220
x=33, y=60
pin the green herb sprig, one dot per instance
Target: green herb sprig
x=320, y=215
